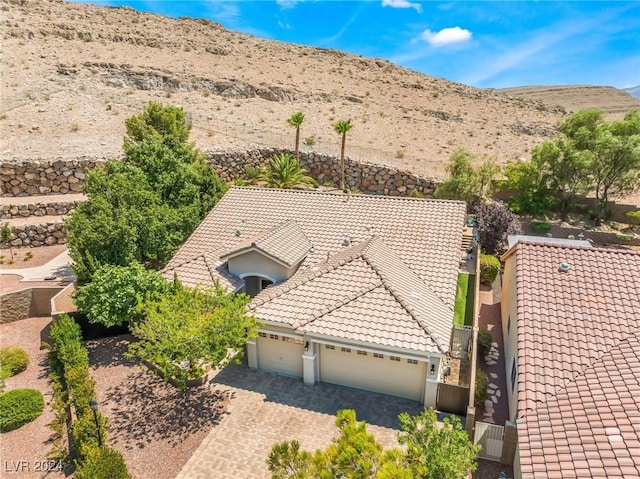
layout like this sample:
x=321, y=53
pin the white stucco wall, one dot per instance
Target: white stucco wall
x=510, y=335
x=254, y=263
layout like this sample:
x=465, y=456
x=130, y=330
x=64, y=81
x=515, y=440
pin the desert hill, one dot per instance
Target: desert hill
x=71, y=74
x=614, y=102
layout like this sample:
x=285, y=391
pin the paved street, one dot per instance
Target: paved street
x=266, y=409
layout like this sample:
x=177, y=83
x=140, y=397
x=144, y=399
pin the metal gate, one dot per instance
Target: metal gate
x=452, y=398
x=490, y=437
x=461, y=342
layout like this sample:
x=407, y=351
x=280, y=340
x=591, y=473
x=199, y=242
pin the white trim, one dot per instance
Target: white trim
x=253, y=248
x=259, y=275
x=370, y=349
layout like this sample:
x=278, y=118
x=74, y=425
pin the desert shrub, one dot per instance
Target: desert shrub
x=484, y=342
x=13, y=360
x=251, y=174
x=309, y=141
x=541, y=227
x=634, y=217
x=480, y=395
x=103, y=463
x=19, y=407
x=416, y=194
x=489, y=269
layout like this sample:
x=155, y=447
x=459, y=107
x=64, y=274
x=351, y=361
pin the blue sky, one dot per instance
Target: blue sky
x=480, y=43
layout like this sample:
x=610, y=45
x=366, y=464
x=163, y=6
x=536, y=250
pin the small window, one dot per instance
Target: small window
x=262, y=335
x=514, y=374
x=509, y=325
x=287, y=339
x=345, y=350
x=412, y=361
x=362, y=353
x=274, y=336
x=379, y=356
x=329, y=346
x=394, y=358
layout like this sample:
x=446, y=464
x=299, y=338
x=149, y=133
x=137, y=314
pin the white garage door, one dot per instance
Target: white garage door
x=280, y=354
x=372, y=372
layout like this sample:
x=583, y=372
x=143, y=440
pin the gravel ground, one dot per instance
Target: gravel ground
x=40, y=256
x=25, y=450
x=155, y=426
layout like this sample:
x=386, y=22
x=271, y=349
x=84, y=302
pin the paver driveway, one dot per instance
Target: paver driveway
x=266, y=409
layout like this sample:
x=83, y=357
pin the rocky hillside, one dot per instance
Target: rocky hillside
x=615, y=103
x=72, y=73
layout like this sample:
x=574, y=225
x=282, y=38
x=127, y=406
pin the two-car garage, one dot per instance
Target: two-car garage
x=344, y=366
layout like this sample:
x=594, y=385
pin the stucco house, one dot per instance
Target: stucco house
x=571, y=322
x=352, y=290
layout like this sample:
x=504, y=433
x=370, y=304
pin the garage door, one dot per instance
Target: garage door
x=380, y=373
x=280, y=354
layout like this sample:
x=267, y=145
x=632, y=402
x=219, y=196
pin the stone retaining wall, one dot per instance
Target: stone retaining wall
x=27, y=303
x=44, y=177
x=44, y=234
x=49, y=208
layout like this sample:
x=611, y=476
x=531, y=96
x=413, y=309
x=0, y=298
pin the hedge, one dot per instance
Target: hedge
x=13, y=361
x=480, y=395
x=19, y=407
x=540, y=227
x=489, y=268
x=103, y=463
x=484, y=342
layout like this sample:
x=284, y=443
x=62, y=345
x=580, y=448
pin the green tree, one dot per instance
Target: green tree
x=112, y=297
x=432, y=451
x=295, y=121
x=183, y=331
x=6, y=235
x=342, y=127
x=284, y=171
x=468, y=180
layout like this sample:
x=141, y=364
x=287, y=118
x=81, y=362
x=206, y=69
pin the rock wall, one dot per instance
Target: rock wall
x=44, y=177
x=48, y=208
x=27, y=303
x=44, y=234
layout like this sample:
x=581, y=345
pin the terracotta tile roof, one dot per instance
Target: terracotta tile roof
x=570, y=325
x=590, y=428
x=423, y=237
x=362, y=294
x=286, y=243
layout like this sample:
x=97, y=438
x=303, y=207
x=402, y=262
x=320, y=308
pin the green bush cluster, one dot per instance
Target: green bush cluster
x=13, y=360
x=489, y=268
x=103, y=463
x=19, y=407
x=69, y=360
x=540, y=227
x=484, y=342
x=480, y=395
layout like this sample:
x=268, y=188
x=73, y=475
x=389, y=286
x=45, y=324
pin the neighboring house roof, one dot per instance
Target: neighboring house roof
x=513, y=239
x=418, y=250
x=568, y=322
x=286, y=243
x=590, y=428
x=364, y=293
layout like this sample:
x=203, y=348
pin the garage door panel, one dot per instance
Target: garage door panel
x=377, y=373
x=280, y=354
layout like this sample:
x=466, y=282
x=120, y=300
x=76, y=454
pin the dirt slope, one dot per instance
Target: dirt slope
x=72, y=73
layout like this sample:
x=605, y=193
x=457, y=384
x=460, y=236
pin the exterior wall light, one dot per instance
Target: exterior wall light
x=306, y=346
x=432, y=371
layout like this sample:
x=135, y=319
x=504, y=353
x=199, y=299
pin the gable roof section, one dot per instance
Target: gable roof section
x=286, y=243
x=365, y=294
x=591, y=428
x=568, y=320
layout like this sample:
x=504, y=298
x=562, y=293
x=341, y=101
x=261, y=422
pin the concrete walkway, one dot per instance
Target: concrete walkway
x=59, y=268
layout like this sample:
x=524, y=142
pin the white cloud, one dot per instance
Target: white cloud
x=446, y=36
x=402, y=4
x=286, y=3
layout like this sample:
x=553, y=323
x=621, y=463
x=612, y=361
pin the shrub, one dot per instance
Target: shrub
x=13, y=360
x=634, y=217
x=85, y=434
x=416, y=194
x=103, y=463
x=541, y=227
x=489, y=269
x=495, y=222
x=19, y=407
x=484, y=342
x=309, y=141
x=480, y=395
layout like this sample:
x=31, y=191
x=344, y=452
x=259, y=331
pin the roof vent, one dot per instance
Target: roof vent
x=415, y=294
x=238, y=231
x=346, y=240
x=312, y=249
x=564, y=267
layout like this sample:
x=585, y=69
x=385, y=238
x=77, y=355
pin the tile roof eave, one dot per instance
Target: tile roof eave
x=371, y=346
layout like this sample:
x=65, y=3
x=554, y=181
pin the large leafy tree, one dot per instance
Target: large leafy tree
x=432, y=451
x=495, y=222
x=284, y=171
x=143, y=207
x=469, y=179
x=295, y=121
x=342, y=127
x=190, y=328
x=113, y=296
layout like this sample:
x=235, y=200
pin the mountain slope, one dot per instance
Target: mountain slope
x=72, y=73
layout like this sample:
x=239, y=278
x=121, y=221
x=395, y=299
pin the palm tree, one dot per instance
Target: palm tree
x=295, y=121
x=341, y=128
x=284, y=171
